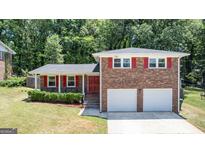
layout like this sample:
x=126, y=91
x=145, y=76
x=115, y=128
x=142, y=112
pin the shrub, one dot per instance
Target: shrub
x=13, y=82
x=36, y=95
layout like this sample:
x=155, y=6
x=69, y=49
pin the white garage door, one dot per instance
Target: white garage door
x=157, y=100
x=122, y=99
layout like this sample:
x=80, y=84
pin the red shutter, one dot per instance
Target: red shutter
x=64, y=81
x=169, y=62
x=76, y=81
x=110, y=62
x=45, y=81
x=134, y=62
x=145, y=62
x=57, y=81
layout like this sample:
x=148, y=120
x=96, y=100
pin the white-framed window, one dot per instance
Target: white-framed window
x=117, y=62
x=52, y=81
x=1, y=55
x=152, y=62
x=161, y=63
x=121, y=63
x=157, y=62
x=126, y=62
x=71, y=81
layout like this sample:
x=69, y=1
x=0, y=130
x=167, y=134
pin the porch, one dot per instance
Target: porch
x=83, y=78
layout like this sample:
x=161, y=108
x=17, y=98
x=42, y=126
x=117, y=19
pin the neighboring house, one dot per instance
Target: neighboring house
x=131, y=79
x=5, y=61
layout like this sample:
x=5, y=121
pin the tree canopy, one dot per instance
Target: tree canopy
x=39, y=42
x=53, y=50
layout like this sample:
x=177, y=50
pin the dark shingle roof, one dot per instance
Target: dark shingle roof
x=66, y=69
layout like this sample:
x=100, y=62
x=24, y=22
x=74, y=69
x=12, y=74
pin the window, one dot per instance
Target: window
x=157, y=63
x=1, y=55
x=161, y=63
x=152, y=62
x=121, y=63
x=126, y=62
x=51, y=81
x=71, y=81
x=117, y=62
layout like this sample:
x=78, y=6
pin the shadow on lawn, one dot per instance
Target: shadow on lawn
x=28, y=100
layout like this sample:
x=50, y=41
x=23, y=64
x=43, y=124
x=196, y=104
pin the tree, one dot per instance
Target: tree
x=53, y=50
x=38, y=42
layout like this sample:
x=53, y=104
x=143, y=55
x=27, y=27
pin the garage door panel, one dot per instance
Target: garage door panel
x=122, y=99
x=157, y=100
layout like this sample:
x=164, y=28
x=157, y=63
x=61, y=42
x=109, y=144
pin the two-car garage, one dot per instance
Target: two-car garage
x=126, y=99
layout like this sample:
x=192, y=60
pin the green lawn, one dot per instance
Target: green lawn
x=193, y=108
x=47, y=118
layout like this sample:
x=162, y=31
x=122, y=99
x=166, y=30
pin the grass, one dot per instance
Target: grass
x=32, y=118
x=193, y=108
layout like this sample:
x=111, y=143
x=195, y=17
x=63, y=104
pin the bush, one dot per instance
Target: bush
x=42, y=96
x=13, y=82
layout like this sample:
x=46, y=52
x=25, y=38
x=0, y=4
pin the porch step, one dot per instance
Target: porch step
x=91, y=105
x=92, y=99
x=92, y=96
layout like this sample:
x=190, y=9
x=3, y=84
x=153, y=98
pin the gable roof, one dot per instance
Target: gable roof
x=5, y=48
x=67, y=69
x=140, y=52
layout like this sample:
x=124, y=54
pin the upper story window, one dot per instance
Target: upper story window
x=51, y=81
x=121, y=63
x=117, y=62
x=1, y=55
x=152, y=62
x=71, y=81
x=157, y=63
x=126, y=62
x=161, y=63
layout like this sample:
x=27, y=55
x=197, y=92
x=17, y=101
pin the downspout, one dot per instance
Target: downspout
x=36, y=80
x=100, y=84
x=179, y=84
x=83, y=85
x=59, y=83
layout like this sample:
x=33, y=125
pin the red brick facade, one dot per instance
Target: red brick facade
x=139, y=78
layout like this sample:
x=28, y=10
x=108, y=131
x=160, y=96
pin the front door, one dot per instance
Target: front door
x=93, y=84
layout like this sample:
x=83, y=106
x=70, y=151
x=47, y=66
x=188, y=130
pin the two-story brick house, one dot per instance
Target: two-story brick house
x=5, y=61
x=131, y=79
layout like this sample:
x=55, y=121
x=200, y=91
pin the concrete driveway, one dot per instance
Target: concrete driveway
x=149, y=123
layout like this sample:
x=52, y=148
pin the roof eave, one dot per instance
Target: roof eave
x=7, y=49
x=61, y=73
x=97, y=55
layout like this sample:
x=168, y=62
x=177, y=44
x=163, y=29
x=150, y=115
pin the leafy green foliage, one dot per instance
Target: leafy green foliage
x=53, y=50
x=193, y=77
x=13, y=82
x=39, y=42
x=42, y=96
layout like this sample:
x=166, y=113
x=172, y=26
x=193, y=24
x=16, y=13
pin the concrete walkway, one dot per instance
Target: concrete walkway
x=149, y=123
x=92, y=112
